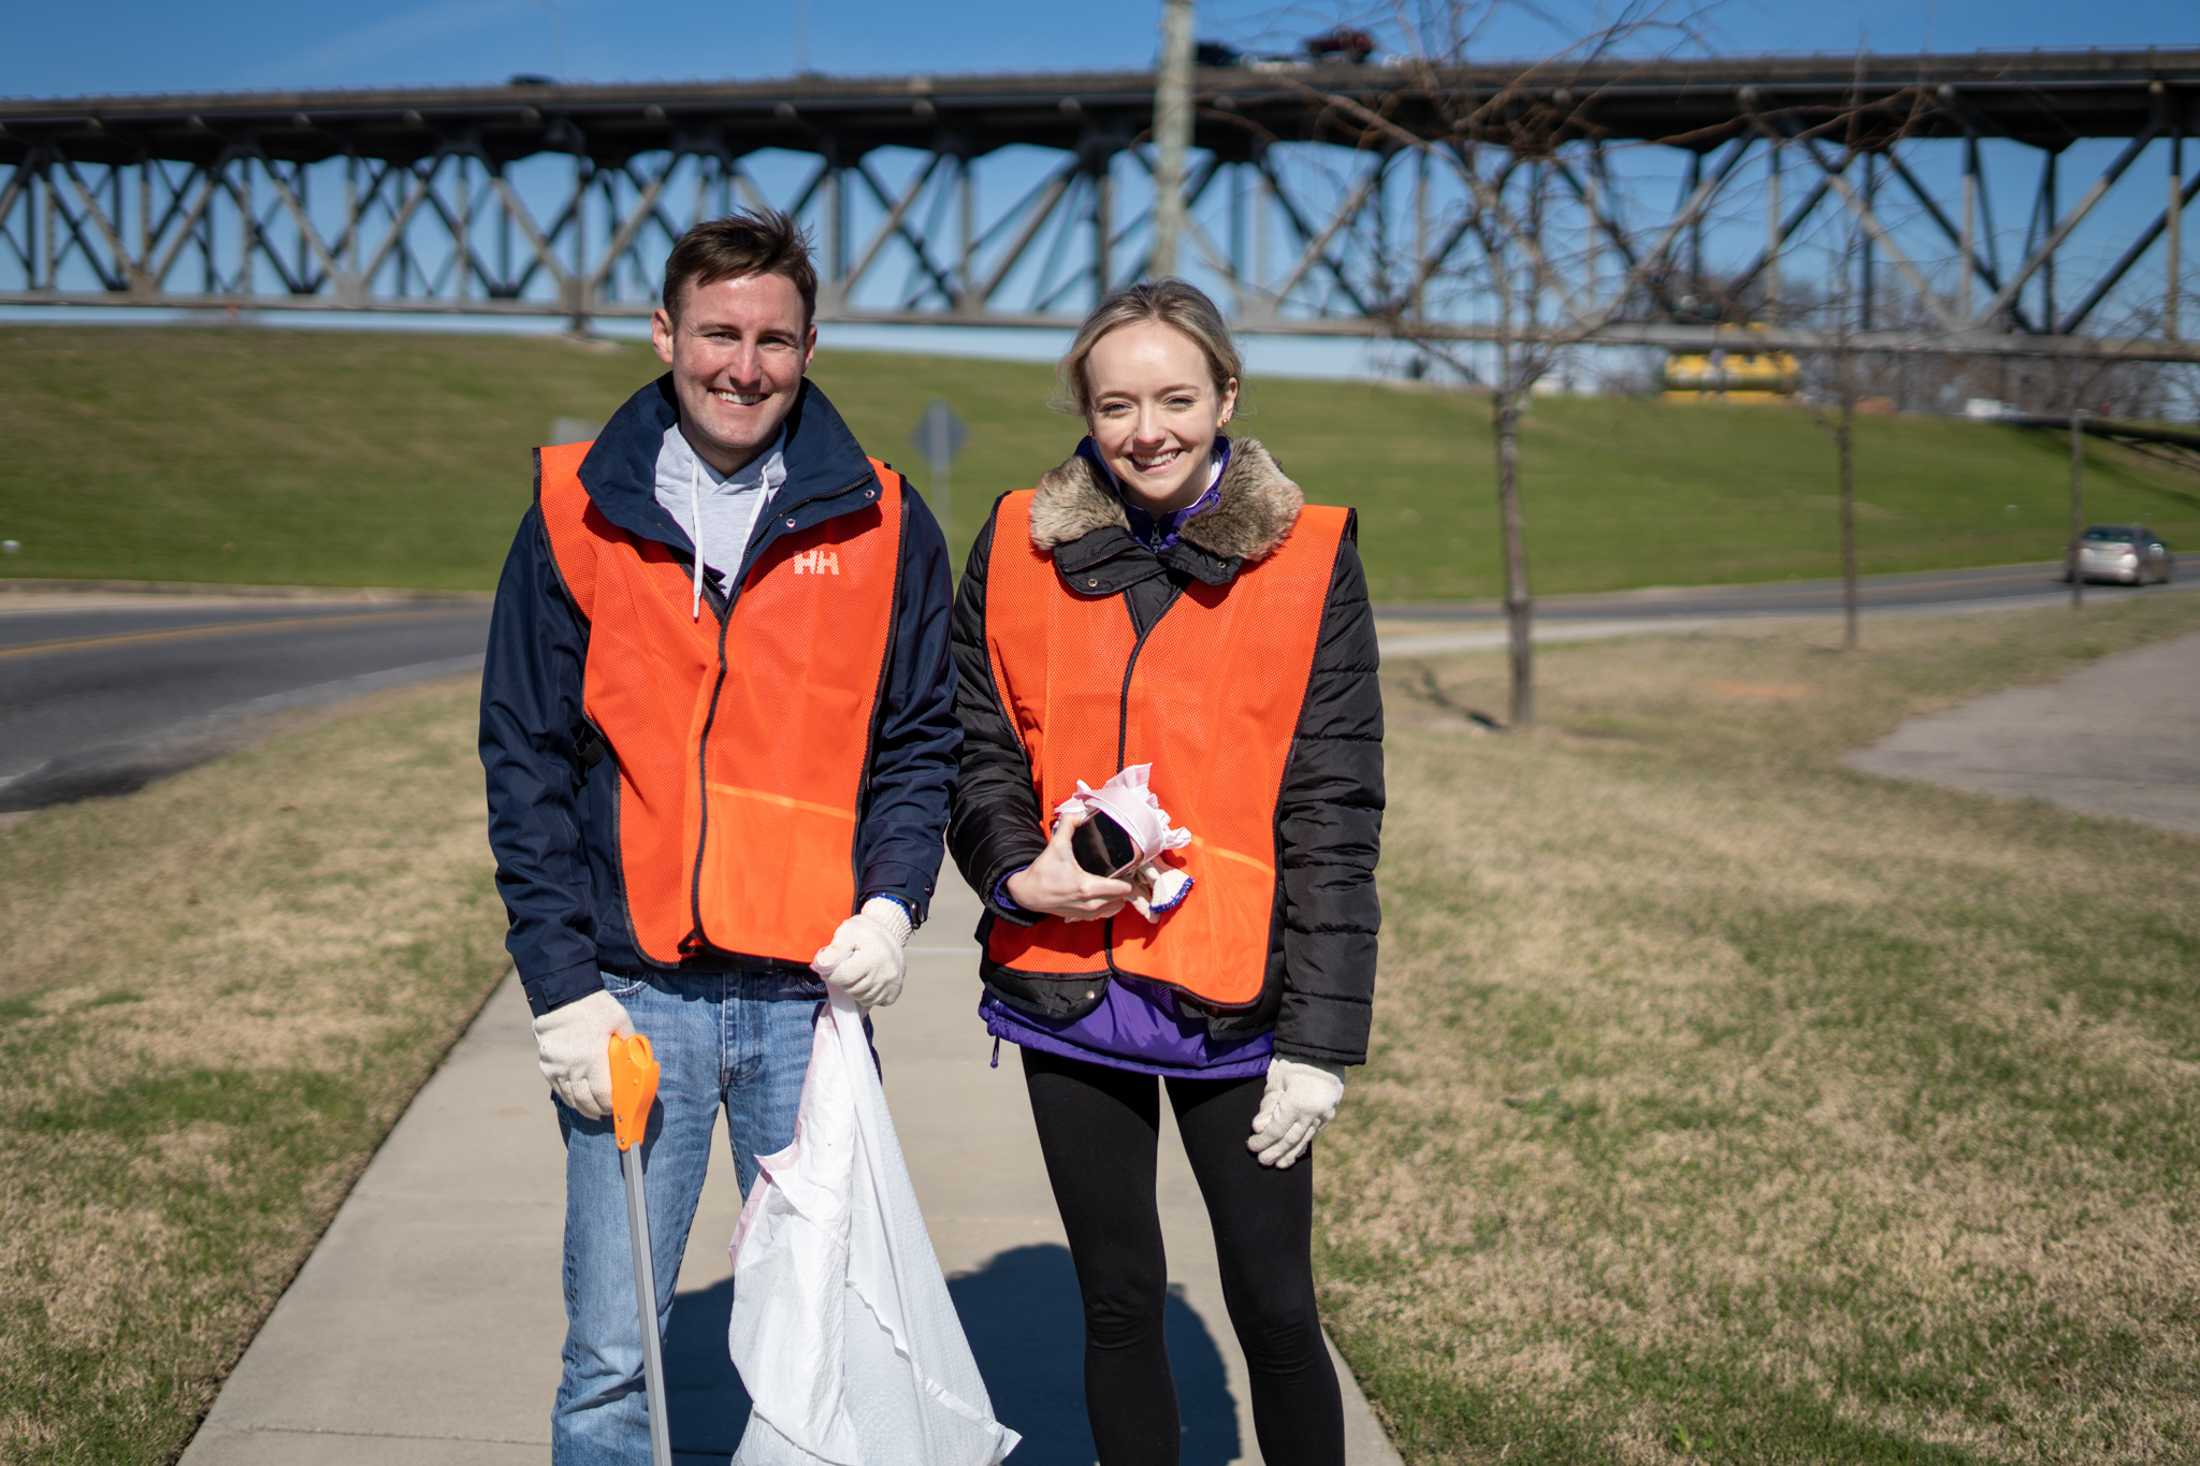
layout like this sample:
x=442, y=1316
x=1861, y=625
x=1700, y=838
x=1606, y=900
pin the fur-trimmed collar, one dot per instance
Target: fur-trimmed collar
x=1257, y=508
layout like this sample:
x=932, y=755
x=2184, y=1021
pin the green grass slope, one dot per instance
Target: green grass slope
x=357, y=458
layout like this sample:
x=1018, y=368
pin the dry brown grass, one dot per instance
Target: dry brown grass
x=220, y=992
x=1728, y=1105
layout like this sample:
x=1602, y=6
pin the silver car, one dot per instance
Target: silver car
x=2130, y=554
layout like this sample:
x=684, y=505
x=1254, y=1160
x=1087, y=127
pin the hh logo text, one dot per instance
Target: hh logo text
x=817, y=562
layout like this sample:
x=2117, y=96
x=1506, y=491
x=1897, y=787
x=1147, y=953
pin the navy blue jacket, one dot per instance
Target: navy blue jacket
x=553, y=794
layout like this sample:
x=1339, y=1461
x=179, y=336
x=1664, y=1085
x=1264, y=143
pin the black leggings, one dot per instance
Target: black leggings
x=1099, y=1129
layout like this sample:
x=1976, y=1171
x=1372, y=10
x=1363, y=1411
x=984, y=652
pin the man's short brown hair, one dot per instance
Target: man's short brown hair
x=751, y=242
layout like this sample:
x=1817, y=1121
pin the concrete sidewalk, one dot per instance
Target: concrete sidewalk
x=2119, y=737
x=425, y=1326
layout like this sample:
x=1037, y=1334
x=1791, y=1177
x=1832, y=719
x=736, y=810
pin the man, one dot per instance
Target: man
x=717, y=722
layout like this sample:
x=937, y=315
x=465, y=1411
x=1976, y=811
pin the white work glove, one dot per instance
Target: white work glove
x=1302, y=1097
x=864, y=958
x=573, y=1045
x=1161, y=889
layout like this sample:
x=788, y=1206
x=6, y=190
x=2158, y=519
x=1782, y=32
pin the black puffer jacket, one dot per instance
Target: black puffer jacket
x=1321, y=956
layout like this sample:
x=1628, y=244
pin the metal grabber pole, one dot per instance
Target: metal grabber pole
x=633, y=1095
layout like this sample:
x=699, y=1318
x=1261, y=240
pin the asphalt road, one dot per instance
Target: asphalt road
x=1444, y=630
x=101, y=693
x=1985, y=587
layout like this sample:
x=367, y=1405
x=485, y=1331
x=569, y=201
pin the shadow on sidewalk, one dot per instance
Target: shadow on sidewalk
x=703, y=1396
x=1027, y=1330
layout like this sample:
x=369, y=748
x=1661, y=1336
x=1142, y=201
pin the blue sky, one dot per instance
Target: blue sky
x=140, y=46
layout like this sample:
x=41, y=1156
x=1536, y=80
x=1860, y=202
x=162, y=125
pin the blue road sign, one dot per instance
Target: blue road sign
x=939, y=435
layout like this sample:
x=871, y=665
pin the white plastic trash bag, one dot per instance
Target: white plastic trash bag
x=843, y=1330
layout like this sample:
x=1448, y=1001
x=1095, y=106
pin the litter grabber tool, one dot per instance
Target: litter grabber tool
x=633, y=1095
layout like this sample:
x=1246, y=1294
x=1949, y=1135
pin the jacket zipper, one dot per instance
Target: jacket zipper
x=1123, y=726
x=696, y=941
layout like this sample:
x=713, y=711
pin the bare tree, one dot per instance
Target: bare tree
x=1500, y=151
x=2072, y=558
x=1837, y=314
x=1866, y=128
x=1523, y=160
x=1844, y=437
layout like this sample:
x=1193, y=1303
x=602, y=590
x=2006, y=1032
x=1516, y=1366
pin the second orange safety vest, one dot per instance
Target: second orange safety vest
x=741, y=745
x=1210, y=697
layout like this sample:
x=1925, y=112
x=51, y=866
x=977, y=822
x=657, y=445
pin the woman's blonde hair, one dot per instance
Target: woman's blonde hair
x=1173, y=303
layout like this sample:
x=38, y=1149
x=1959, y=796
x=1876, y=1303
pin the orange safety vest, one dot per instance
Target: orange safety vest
x=741, y=771
x=1210, y=697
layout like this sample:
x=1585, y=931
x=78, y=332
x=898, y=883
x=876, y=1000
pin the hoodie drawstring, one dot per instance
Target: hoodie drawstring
x=695, y=516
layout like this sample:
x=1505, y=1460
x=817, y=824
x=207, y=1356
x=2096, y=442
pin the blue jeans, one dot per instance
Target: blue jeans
x=737, y=1040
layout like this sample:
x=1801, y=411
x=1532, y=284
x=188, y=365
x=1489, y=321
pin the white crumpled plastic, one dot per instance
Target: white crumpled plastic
x=843, y=1330
x=1129, y=801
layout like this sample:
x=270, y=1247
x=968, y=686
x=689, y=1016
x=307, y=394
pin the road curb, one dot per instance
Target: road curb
x=366, y=594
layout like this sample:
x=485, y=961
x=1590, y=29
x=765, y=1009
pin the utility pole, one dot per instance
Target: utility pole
x=1172, y=132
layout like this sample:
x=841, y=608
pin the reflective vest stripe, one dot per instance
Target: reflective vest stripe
x=1219, y=853
x=783, y=801
x=1211, y=697
x=741, y=747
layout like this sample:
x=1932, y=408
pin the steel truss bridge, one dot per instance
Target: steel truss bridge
x=1329, y=200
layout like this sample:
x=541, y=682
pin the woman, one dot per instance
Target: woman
x=1165, y=597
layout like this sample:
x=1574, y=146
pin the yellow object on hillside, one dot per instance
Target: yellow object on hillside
x=1737, y=373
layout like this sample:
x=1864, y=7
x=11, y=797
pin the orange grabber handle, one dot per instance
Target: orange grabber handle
x=633, y=1087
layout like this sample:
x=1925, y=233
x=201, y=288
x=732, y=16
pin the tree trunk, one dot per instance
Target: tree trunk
x=2077, y=503
x=1844, y=437
x=1519, y=607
